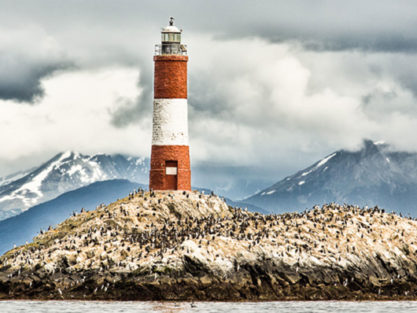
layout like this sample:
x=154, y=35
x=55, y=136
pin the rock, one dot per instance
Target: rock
x=176, y=246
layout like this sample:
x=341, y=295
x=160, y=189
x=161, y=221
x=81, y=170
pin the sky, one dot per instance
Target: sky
x=273, y=85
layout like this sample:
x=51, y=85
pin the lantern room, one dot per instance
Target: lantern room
x=170, y=41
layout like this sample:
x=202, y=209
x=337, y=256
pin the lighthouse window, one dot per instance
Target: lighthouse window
x=173, y=37
x=171, y=171
x=171, y=167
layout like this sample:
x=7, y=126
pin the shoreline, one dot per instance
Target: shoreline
x=204, y=288
x=205, y=301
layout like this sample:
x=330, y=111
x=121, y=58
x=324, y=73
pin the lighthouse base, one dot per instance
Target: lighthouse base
x=170, y=168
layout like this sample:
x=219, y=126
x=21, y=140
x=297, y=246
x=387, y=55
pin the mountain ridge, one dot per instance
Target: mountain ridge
x=64, y=172
x=16, y=230
x=373, y=175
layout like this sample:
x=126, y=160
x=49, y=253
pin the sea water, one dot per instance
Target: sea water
x=208, y=307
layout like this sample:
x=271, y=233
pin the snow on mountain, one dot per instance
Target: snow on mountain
x=64, y=172
x=374, y=175
x=12, y=177
x=23, y=227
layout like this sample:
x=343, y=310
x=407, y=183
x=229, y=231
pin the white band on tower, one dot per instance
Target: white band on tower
x=170, y=122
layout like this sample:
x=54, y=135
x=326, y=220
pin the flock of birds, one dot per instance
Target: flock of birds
x=156, y=230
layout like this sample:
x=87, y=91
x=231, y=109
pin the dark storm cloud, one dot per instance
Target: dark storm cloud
x=376, y=24
x=78, y=26
x=387, y=26
x=132, y=112
x=381, y=44
x=20, y=80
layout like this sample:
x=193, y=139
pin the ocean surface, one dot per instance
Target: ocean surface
x=209, y=307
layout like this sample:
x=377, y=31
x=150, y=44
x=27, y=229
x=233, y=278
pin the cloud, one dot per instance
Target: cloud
x=251, y=102
x=75, y=113
x=26, y=57
x=21, y=81
x=276, y=83
x=281, y=105
x=138, y=110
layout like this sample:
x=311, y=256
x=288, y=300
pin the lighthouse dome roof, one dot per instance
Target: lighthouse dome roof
x=171, y=29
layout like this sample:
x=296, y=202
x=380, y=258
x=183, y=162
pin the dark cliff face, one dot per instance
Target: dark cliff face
x=374, y=175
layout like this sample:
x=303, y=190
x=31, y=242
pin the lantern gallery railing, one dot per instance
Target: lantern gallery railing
x=170, y=48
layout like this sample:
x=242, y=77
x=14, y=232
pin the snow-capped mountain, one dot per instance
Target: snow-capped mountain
x=64, y=172
x=374, y=175
x=23, y=227
x=12, y=177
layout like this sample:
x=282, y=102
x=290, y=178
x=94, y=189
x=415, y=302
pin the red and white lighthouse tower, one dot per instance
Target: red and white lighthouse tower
x=170, y=157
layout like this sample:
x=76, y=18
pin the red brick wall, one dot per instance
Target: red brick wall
x=160, y=154
x=170, y=76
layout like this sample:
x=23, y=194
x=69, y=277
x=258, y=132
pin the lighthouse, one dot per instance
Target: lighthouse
x=170, y=156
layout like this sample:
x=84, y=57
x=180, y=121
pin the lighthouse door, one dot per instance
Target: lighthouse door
x=171, y=175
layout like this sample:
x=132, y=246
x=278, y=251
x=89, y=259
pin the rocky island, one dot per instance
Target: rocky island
x=192, y=246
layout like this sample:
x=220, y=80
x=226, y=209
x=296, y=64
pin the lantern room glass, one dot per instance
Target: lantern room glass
x=171, y=37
